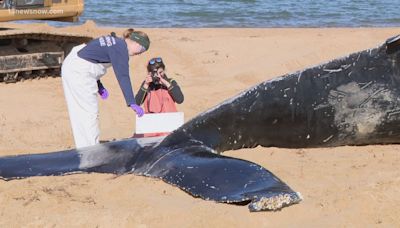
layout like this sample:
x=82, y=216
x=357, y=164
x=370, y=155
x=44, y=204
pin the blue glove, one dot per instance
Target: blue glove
x=103, y=93
x=139, y=111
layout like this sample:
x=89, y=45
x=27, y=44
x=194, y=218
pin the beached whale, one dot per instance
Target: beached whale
x=348, y=101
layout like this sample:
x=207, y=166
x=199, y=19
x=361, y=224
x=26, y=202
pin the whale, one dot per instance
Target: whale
x=352, y=100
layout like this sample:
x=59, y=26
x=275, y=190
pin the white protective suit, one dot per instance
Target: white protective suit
x=79, y=78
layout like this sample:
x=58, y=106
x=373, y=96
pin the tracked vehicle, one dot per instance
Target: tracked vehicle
x=28, y=54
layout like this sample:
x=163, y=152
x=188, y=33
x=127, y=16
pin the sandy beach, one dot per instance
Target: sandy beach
x=342, y=187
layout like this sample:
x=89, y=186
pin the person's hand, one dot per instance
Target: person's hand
x=139, y=111
x=164, y=82
x=149, y=79
x=103, y=93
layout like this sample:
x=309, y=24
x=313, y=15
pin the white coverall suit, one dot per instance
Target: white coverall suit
x=79, y=78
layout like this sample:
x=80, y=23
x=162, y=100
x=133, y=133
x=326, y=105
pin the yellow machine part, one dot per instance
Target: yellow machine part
x=58, y=10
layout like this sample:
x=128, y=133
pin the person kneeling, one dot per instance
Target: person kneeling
x=158, y=93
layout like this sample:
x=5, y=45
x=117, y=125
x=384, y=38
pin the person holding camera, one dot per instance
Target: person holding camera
x=81, y=72
x=158, y=93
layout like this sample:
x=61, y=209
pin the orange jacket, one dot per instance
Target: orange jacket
x=159, y=101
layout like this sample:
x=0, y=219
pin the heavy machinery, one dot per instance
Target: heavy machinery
x=27, y=54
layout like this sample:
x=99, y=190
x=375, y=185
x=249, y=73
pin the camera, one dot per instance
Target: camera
x=155, y=78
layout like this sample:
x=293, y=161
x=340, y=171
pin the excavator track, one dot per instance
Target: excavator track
x=34, y=54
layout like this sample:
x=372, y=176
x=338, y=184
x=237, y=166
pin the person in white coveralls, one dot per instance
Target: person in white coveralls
x=81, y=72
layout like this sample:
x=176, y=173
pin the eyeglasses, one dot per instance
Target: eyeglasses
x=155, y=60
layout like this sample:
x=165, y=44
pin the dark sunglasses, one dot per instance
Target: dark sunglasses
x=155, y=60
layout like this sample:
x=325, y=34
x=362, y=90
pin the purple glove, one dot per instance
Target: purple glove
x=139, y=111
x=103, y=93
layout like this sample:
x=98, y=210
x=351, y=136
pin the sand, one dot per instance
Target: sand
x=342, y=187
